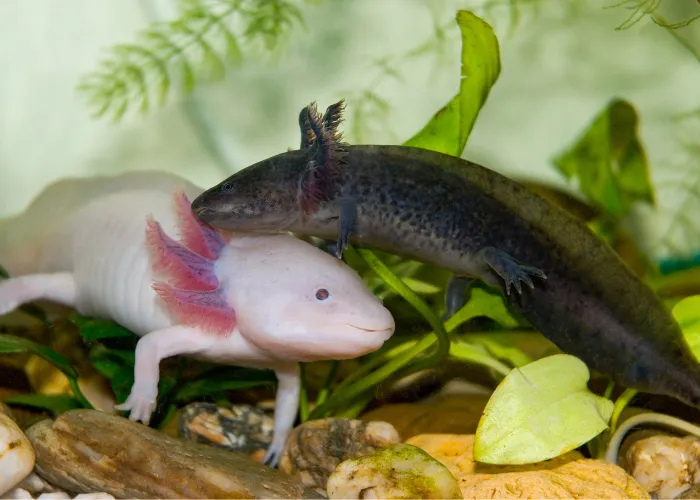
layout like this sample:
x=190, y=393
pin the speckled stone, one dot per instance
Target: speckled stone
x=315, y=448
x=240, y=428
x=666, y=466
x=399, y=471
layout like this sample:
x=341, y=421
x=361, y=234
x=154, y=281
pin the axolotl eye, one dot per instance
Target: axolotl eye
x=322, y=294
x=226, y=187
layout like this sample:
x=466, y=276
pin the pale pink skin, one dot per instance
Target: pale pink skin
x=94, y=258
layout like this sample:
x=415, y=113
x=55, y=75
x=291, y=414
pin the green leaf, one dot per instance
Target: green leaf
x=55, y=403
x=421, y=287
x=117, y=365
x=609, y=162
x=499, y=347
x=11, y=343
x=687, y=314
x=3, y=273
x=471, y=353
x=449, y=128
x=483, y=303
x=540, y=411
x=97, y=329
x=222, y=380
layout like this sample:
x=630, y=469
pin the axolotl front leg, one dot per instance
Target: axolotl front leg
x=234, y=349
x=322, y=195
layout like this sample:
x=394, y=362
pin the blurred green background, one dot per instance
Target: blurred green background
x=395, y=61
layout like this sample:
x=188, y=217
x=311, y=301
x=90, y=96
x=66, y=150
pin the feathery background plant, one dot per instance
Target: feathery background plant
x=207, y=36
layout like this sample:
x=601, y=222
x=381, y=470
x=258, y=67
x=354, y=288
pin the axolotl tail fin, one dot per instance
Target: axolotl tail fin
x=187, y=283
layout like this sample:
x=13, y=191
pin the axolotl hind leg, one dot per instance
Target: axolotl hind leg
x=456, y=295
x=55, y=287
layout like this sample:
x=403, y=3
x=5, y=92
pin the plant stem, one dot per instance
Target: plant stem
x=303, y=395
x=323, y=393
x=620, y=404
x=79, y=394
x=609, y=389
x=372, y=379
x=443, y=347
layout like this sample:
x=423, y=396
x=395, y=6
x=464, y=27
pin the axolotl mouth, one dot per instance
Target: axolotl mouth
x=382, y=332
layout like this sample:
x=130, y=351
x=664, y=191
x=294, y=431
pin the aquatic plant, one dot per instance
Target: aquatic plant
x=606, y=166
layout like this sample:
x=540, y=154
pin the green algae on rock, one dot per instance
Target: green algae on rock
x=399, y=471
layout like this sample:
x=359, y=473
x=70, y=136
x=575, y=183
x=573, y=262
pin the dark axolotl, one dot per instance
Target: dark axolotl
x=460, y=216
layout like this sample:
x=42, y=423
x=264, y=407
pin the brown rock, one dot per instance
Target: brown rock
x=5, y=410
x=567, y=476
x=692, y=493
x=449, y=415
x=88, y=451
x=315, y=448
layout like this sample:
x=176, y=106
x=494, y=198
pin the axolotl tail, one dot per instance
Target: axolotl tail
x=651, y=356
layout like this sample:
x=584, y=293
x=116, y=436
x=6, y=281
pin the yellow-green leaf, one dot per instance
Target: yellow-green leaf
x=609, y=161
x=687, y=314
x=483, y=303
x=448, y=130
x=421, y=287
x=540, y=411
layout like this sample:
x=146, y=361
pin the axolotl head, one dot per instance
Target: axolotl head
x=260, y=198
x=299, y=302
x=288, y=298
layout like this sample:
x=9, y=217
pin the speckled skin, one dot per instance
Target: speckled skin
x=441, y=210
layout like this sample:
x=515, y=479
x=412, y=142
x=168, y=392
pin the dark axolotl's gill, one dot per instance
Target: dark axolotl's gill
x=452, y=213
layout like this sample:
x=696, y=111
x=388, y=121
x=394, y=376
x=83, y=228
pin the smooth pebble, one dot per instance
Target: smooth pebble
x=16, y=454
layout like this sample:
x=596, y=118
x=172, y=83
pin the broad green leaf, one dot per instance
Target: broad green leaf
x=540, y=411
x=3, y=273
x=13, y=344
x=448, y=130
x=55, y=403
x=687, y=314
x=96, y=329
x=609, y=161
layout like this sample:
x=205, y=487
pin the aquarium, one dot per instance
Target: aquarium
x=326, y=249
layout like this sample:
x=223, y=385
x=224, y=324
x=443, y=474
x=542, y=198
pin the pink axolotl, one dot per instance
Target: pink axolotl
x=128, y=248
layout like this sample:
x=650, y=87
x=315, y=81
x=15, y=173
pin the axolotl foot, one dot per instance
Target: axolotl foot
x=274, y=452
x=141, y=403
x=507, y=268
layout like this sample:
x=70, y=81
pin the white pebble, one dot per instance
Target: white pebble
x=33, y=484
x=94, y=496
x=16, y=493
x=16, y=454
x=55, y=494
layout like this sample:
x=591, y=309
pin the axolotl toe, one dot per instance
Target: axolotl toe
x=138, y=256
